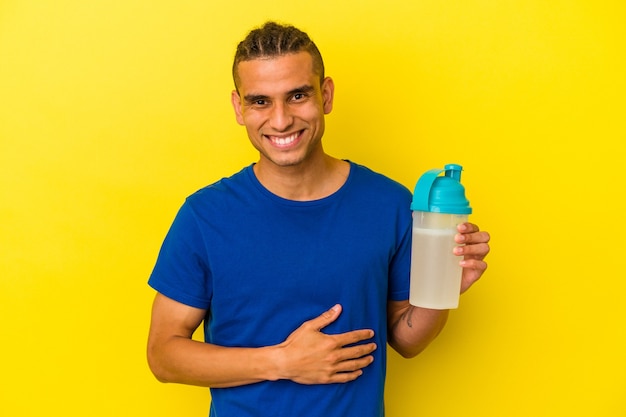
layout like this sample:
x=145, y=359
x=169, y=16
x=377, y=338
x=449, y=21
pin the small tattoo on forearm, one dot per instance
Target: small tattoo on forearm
x=408, y=317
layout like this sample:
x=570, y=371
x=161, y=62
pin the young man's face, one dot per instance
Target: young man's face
x=282, y=106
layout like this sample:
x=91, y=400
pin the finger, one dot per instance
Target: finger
x=352, y=337
x=356, y=352
x=343, y=377
x=477, y=265
x=477, y=250
x=349, y=370
x=362, y=354
x=355, y=364
x=473, y=237
x=473, y=270
x=325, y=318
x=467, y=227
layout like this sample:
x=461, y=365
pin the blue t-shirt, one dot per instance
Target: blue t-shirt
x=262, y=265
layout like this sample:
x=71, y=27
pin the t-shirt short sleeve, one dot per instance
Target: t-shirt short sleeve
x=181, y=271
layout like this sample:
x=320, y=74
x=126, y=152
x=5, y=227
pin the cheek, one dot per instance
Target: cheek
x=254, y=128
x=311, y=113
x=252, y=121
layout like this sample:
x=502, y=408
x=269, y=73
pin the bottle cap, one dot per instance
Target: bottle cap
x=441, y=194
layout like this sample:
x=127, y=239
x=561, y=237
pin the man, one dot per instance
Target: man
x=298, y=265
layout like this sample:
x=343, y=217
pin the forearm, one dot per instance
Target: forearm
x=307, y=356
x=411, y=329
x=186, y=361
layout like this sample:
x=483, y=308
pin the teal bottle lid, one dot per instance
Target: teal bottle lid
x=441, y=194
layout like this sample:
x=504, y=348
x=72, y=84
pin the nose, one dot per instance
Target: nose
x=280, y=117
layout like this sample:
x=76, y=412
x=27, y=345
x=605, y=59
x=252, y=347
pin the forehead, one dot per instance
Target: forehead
x=276, y=73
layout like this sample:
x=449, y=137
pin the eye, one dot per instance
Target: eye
x=256, y=100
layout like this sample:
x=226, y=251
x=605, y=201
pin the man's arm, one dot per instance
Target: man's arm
x=412, y=328
x=307, y=356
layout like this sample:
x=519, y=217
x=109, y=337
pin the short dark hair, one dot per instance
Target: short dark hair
x=274, y=39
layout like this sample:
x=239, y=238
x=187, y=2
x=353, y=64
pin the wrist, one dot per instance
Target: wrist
x=273, y=360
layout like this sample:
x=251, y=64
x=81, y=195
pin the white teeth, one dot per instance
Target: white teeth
x=284, y=141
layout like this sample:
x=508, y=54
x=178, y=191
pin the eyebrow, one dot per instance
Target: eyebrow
x=251, y=98
x=302, y=89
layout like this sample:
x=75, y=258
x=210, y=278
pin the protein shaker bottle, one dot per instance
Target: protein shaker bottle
x=438, y=206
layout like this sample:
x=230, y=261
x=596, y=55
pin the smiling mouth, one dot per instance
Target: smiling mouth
x=283, y=141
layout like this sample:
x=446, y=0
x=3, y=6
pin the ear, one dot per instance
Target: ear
x=328, y=94
x=236, y=102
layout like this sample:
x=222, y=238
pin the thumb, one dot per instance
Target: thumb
x=326, y=317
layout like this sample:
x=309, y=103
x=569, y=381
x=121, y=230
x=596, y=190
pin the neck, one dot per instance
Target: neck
x=298, y=183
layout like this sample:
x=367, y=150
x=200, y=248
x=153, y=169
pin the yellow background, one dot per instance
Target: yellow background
x=111, y=112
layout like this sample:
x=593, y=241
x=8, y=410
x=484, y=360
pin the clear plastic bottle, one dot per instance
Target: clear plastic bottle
x=439, y=205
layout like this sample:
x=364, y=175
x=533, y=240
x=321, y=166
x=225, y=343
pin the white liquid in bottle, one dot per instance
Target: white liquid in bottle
x=435, y=270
